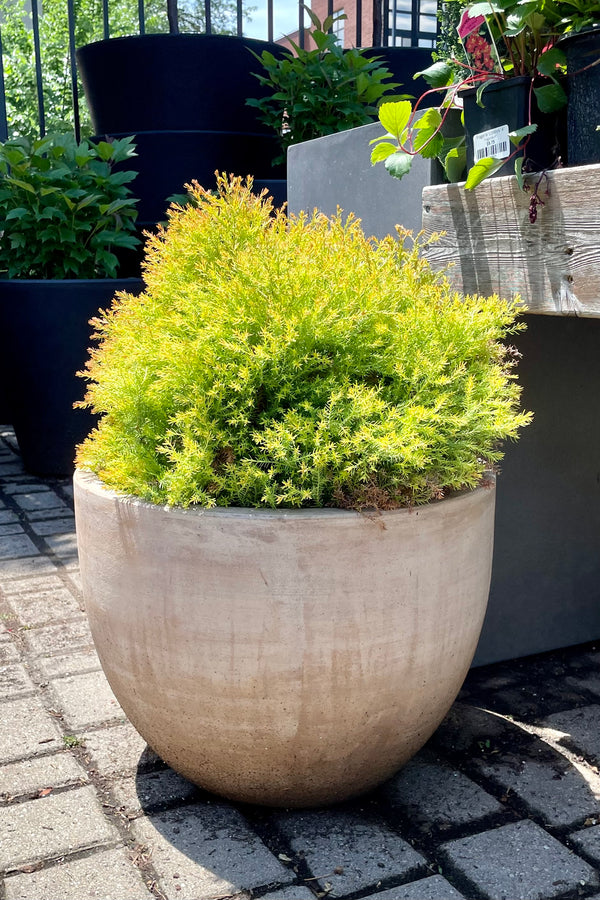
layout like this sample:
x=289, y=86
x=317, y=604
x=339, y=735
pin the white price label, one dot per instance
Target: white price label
x=494, y=142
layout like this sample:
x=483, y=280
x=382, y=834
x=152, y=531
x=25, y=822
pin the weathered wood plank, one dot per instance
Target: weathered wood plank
x=554, y=264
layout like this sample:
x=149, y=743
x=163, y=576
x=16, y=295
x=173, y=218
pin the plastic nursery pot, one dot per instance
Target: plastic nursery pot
x=583, y=84
x=507, y=103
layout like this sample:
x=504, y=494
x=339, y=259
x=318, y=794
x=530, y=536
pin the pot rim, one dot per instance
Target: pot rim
x=88, y=481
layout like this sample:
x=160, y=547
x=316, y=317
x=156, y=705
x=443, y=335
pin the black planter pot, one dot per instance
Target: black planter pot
x=167, y=160
x=583, y=111
x=45, y=325
x=184, y=97
x=404, y=63
x=507, y=103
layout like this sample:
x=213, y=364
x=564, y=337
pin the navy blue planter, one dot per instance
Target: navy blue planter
x=46, y=334
x=184, y=97
x=583, y=115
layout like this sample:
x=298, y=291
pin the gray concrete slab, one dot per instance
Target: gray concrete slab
x=519, y=861
x=347, y=851
x=51, y=826
x=106, y=875
x=86, y=700
x=207, y=849
x=433, y=888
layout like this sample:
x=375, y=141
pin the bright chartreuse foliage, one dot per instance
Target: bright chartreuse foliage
x=275, y=362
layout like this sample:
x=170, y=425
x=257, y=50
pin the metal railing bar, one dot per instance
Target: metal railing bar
x=73, y=68
x=141, y=17
x=269, y=20
x=3, y=118
x=38, y=66
x=300, y=25
x=105, y=20
x=358, y=23
x=207, y=18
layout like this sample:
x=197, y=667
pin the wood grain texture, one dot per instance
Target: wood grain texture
x=553, y=264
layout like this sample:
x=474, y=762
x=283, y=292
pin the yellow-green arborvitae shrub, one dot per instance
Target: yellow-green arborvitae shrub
x=275, y=362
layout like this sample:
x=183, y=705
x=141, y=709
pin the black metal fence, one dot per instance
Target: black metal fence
x=394, y=22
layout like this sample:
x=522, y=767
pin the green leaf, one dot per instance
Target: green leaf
x=24, y=185
x=455, y=163
x=382, y=151
x=438, y=75
x=398, y=164
x=394, y=116
x=481, y=170
x=550, y=97
x=428, y=143
x=105, y=150
x=17, y=213
x=548, y=61
x=519, y=172
x=517, y=136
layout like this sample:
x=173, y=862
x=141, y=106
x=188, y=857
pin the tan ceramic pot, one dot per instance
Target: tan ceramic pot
x=287, y=658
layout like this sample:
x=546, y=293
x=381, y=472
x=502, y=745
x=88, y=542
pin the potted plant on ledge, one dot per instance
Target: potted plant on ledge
x=509, y=86
x=65, y=216
x=284, y=519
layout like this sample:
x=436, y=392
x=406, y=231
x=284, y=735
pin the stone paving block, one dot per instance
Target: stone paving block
x=7, y=515
x=39, y=609
x=433, y=794
x=10, y=528
x=51, y=826
x=434, y=888
x=553, y=790
x=152, y=790
x=62, y=525
x=75, y=577
x=105, y=875
x=118, y=750
x=25, y=485
x=8, y=653
x=212, y=850
x=33, y=500
x=465, y=728
x=41, y=585
x=25, y=566
x=293, y=892
x=15, y=681
x=12, y=467
x=86, y=700
x=588, y=683
x=587, y=840
x=16, y=545
x=63, y=545
x=580, y=729
x=74, y=663
x=29, y=775
x=365, y=851
x=26, y=729
x=52, y=639
x=519, y=861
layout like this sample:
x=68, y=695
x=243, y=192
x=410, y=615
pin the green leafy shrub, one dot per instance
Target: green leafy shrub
x=274, y=362
x=319, y=91
x=63, y=209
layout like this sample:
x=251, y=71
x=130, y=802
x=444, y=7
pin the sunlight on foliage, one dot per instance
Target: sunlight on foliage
x=275, y=362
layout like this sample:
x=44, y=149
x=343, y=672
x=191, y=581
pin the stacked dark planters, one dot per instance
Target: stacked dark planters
x=184, y=97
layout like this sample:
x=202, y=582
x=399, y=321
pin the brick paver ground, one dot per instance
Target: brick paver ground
x=502, y=804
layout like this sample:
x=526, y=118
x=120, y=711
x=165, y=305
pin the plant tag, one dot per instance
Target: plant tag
x=494, y=142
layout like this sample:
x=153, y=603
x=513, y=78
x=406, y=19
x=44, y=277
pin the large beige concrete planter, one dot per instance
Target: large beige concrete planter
x=288, y=658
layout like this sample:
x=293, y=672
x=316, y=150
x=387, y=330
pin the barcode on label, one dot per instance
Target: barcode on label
x=500, y=150
x=494, y=142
